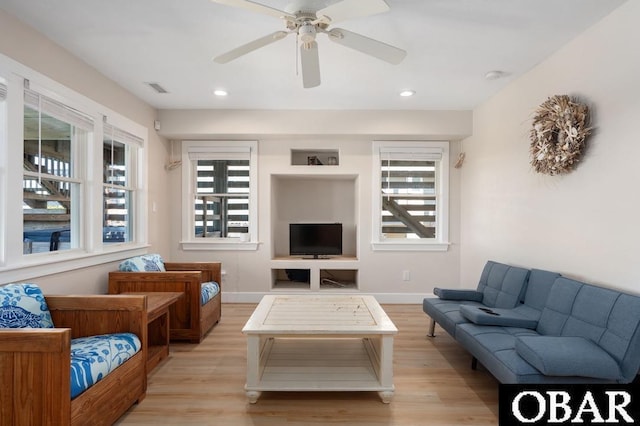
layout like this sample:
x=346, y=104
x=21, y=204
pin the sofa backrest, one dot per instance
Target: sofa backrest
x=502, y=285
x=539, y=287
x=607, y=317
x=143, y=263
x=23, y=305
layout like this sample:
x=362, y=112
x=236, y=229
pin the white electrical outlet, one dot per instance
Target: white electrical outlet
x=406, y=275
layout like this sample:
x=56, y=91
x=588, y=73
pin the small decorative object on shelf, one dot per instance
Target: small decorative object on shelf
x=558, y=136
x=313, y=160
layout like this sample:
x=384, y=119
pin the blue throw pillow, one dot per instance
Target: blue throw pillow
x=23, y=306
x=567, y=356
x=143, y=263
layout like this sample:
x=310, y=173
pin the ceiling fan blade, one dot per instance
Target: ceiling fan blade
x=349, y=9
x=310, y=65
x=367, y=45
x=250, y=47
x=255, y=7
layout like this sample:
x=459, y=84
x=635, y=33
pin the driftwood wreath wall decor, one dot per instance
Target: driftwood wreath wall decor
x=560, y=129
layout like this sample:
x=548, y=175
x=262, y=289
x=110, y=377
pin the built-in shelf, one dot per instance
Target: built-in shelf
x=290, y=273
x=338, y=279
x=290, y=279
x=315, y=157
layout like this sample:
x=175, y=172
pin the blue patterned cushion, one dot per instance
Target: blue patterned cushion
x=92, y=358
x=23, y=306
x=208, y=291
x=143, y=263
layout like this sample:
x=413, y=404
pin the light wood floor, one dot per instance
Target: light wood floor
x=204, y=384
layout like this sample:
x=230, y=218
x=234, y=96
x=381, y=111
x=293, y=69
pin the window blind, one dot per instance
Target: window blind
x=220, y=153
x=114, y=133
x=57, y=110
x=3, y=92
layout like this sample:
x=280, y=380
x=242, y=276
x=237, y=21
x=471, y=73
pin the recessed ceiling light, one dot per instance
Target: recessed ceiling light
x=220, y=92
x=407, y=93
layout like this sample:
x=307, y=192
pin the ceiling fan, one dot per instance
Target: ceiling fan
x=306, y=22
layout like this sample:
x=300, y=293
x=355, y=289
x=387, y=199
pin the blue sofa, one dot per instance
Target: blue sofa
x=560, y=331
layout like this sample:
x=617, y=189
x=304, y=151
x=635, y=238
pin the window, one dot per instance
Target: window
x=67, y=178
x=54, y=139
x=221, y=201
x=119, y=160
x=410, y=184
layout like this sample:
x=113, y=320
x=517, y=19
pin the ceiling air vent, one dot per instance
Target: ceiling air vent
x=157, y=87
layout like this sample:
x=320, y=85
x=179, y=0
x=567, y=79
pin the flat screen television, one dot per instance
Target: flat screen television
x=315, y=239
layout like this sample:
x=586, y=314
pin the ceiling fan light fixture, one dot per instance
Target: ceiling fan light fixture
x=407, y=93
x=307, y=33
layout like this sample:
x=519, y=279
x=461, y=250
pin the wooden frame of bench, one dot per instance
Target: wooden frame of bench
x=35, y=364
x=189, y=320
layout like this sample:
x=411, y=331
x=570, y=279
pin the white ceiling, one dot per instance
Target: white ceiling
x=451, y=45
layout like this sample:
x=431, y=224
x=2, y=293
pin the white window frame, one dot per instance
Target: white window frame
x=134, y=145
x=441, y=241
x=189, y=241
x=14, y=266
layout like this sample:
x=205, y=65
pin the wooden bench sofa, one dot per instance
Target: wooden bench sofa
x=189, y=319
x=35, y=364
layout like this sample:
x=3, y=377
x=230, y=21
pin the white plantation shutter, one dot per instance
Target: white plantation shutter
x=409, y=191
x=222, y=190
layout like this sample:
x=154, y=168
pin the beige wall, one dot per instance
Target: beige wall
x=25, y=45
x=584, y=224
x=248, y=273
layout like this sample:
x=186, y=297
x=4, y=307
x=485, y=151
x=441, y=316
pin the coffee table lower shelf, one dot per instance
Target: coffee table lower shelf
x=319, y=364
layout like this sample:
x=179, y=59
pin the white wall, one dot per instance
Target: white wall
x=25, y=45
x=584, y=224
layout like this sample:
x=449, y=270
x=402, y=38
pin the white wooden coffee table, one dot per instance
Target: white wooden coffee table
x=319, y=343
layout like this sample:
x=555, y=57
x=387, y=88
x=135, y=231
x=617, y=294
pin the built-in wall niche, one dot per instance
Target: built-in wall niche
x=315, y=157
x=313, y=199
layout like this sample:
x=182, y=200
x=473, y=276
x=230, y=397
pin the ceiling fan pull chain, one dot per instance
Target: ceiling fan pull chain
x=297, y=57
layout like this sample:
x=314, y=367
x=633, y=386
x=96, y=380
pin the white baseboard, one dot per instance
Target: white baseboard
x=399, y=298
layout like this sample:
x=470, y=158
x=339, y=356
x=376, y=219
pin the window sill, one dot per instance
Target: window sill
x=222, y=244
x=57, y=262
x=409, y=246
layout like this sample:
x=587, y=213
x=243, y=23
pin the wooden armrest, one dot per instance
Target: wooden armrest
x=56, y=340
x=212, y=270
x=89, y=315
x=189, y=275
x=35, y=369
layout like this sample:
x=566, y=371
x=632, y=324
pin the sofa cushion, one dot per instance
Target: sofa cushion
x=567, y=356
x=92, y=358
x=458, y=294
x=502, y=285
x=538, y=288
x=23, y=306
x=495, y=316
x=208, y=291
x=143, y=263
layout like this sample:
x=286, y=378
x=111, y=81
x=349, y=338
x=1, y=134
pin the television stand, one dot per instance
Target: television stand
x=317, y=256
